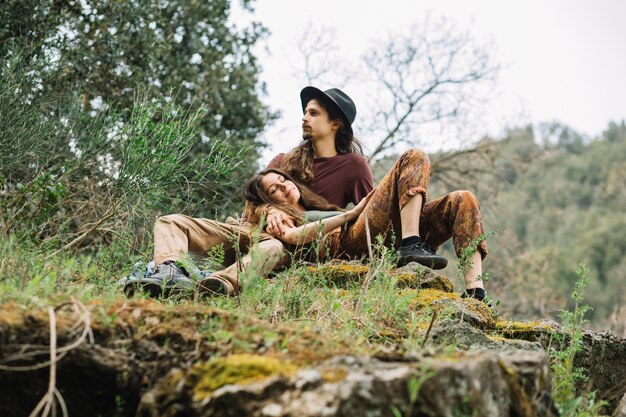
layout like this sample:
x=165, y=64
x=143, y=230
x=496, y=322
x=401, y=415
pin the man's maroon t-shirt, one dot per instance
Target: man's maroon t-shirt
x=341, y=179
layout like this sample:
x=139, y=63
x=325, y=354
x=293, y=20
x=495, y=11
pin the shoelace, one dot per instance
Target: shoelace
x=424, y=246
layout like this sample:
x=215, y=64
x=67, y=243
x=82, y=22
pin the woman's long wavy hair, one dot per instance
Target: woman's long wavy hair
x=256, y=197
x=299, y=162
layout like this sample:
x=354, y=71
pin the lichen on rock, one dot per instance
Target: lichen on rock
x=413, y=275
x=475, y=312
x=244, y=368
x=537, y=330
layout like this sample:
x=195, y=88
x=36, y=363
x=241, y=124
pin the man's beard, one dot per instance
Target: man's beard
x=307, y=135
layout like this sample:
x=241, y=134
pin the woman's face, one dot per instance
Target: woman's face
x=280, y=189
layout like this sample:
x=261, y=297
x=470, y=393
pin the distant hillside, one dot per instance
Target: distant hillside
x=555, y=202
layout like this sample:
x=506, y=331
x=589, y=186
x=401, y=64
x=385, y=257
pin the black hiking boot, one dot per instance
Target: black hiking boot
x=423, y=254
x=477, y=293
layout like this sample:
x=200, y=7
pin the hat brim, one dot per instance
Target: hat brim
x=309, y=93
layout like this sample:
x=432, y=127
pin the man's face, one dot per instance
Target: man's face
x=315, y=123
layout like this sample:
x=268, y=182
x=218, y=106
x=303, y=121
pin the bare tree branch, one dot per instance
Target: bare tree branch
x=425, y=76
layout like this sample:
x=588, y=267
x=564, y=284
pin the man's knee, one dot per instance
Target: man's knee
x=416, y=157
x=465, y=198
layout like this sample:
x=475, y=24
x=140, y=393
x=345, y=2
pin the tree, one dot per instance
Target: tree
x=114, y=111
x=60, y=182
x=186, y=52
x=427, y=75
x=421, y=79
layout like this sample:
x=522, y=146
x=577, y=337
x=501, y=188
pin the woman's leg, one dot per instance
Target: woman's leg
x=177, y=235
x=264, y=257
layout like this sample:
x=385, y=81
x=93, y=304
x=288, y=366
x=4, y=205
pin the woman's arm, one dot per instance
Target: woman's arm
x=310, y=231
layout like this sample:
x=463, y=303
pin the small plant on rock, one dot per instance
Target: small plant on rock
x=565, y=375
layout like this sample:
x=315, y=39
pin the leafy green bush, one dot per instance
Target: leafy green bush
x=76, y=179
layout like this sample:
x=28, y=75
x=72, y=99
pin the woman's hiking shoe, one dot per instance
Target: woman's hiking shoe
x=216, y=286
x=167, y=280
x=423, y=254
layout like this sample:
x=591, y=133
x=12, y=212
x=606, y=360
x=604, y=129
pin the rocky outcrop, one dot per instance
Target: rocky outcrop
x=603, y=357
x=515, y=383
x=148, y=358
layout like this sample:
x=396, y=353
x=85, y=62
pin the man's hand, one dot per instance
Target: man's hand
x=277, y=222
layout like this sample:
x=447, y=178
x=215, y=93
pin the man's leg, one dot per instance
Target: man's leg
x=395, y=209
x=457, y=216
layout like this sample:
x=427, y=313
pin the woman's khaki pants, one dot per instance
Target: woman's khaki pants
x=177, y=235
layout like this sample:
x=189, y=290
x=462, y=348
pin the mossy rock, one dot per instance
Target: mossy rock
x=470, y=310
x=412, y=275
x=534, y=331
x=206, y=377
x=462, y=335
x=341, y=274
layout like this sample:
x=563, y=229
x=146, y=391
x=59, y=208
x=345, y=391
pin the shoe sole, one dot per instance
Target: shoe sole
x=432, y=263
x=216, y=286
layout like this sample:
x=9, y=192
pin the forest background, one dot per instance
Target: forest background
x=114, y=112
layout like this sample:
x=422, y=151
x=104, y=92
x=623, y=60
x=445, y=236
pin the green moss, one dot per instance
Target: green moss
x=425, y=297
x=235, y=369
x=481, y=311
x=341, y=275
x=530, y=330
x=12, y=315
x=344, y=274
x=498, y=338
x=475, y=312
x=521, y=402
x=423, y=281
x=333, y=374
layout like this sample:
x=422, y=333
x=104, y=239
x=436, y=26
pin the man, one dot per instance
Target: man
x=329, y=160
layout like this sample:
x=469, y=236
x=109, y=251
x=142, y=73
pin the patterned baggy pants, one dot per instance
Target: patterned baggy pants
x=455, y=215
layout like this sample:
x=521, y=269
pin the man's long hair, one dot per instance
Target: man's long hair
x=299, y=162
x=257, y=198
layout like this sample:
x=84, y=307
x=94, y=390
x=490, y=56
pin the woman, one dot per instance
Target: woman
x=455, y=215
x=274, y=188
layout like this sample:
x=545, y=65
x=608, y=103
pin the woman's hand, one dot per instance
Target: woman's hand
x=354, y=213
x=278, y=222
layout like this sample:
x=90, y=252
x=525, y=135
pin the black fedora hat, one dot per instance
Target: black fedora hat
x=334, y=97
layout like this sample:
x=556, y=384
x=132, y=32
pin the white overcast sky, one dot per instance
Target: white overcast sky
x=563, y=60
